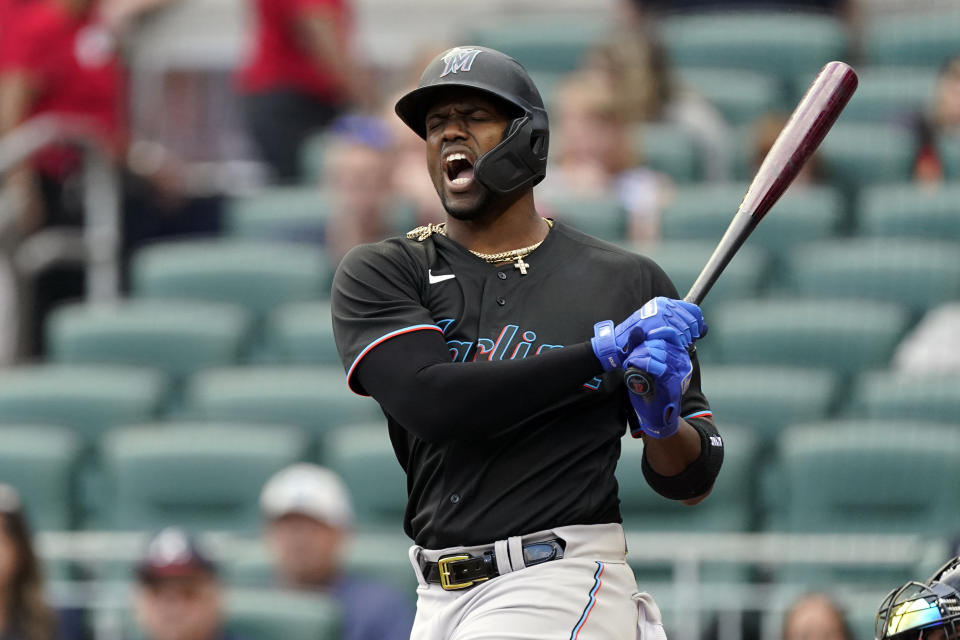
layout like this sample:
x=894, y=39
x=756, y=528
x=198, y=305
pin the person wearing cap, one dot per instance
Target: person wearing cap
x=308, y=520
x=179, y=595
x=474, y=336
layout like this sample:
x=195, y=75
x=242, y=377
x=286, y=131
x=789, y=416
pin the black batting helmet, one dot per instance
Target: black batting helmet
x=520, y=160
x=917, y=610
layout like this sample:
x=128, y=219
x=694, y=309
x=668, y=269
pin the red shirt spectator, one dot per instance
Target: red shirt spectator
x=282, y=56
x=8, y=9
x=70, y=65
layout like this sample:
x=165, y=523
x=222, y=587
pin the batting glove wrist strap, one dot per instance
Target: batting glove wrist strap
x=605, y=346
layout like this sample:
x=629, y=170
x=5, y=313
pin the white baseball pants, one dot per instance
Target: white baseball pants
x=589, y=594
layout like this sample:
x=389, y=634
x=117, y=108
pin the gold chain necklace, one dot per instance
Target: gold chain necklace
x=424, y=232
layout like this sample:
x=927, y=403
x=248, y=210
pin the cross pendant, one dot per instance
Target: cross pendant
x=520, y=264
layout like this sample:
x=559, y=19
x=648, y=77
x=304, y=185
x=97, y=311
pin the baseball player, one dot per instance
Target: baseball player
x=490, y=343
x=923, y=610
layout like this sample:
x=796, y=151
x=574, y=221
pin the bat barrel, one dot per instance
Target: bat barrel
x=805, y=130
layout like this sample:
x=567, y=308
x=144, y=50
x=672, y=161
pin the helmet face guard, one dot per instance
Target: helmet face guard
x=520, y=160
x=923, y=610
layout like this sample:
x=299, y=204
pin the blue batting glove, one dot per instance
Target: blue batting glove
x=674, y=321
x=670, y=368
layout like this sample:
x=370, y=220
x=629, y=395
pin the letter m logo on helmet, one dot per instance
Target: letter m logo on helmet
x=459, y=60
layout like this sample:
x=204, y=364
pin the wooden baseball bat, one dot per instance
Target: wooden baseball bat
x=808, y=125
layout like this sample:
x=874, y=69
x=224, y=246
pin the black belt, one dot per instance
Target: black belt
x=459, y=571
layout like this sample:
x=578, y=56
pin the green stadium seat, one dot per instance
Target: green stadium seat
x=767, y=398
x=270, y=614
x=770, y=42
x=845, y=335
x=867, y=476
x=301, y=333
x=910, y=209
x=88, y=399
x=890, y=93
x=859, y=154
x=740, y=95
x=603, y=217
x=898, y=395
x=915, y=273
x=668, y=148
x=176, y=337
x=280, y=213
x=682, y=260
x=543, y=44
x=949, y=149
x=201, y=476
x=703, y=212
x=730, y=506
x=40, y=462
x=364, y=458
x=922, y=38
x=390, y=565
x=315, y=399
x=256, y=275
x=313, y=161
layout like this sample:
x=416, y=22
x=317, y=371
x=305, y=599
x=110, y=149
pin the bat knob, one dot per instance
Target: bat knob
x=638, y=382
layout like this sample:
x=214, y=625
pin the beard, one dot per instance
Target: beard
x=477, y=206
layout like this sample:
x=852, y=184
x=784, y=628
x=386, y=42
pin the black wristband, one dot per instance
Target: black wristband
x=699, y=476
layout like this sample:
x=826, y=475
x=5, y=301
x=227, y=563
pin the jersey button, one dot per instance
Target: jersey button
x=501, y=275
x=454, y=498
x=501, y=301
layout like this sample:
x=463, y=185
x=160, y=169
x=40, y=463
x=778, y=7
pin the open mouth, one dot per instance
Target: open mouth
x=458, y=168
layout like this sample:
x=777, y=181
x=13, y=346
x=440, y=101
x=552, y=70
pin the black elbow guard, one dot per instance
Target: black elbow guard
x=699, y=476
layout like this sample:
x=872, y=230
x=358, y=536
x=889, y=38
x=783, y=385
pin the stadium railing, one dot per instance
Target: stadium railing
x=689, y=603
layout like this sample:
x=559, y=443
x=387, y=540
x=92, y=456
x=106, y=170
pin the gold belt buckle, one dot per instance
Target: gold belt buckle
x=443, y=568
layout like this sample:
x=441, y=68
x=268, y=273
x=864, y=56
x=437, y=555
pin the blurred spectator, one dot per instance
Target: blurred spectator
x=408, y=181
x=179, y=596
x=8, y=15
x=300, y=76
x=59, y=60
x=942, y=120
x=62, y=60
x=932, y=347
x=358, y=163
x=763, y=133
x=593, y=155
x=24, y=611
x=636, y=63
x=411, y=185
x=308, y=523
x=816, y=616
x=120, y=15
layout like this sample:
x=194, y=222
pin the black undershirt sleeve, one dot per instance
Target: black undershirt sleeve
x=437, y=400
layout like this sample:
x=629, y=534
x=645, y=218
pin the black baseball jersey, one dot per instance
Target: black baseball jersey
x=554, y=465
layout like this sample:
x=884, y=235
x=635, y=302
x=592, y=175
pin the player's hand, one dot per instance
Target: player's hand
x=675, y=321
x=669, y=366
